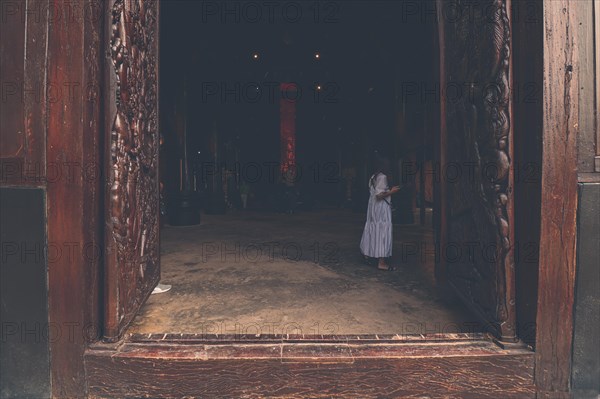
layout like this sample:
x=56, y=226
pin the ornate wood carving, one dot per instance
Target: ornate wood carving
x=134, y=144
x=479, y=254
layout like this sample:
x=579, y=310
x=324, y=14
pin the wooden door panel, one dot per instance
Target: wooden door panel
x=132, y=217
x=478, y=248
x=23, y=68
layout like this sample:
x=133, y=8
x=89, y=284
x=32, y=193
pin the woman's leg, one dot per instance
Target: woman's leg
x=384, y=266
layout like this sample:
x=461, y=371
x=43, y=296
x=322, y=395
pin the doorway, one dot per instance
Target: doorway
x=293, y=111
x=459, y=210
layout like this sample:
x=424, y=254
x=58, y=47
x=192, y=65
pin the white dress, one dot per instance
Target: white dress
x=376, y=240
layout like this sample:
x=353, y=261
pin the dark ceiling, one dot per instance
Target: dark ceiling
x=353, y=38
x=365, y=47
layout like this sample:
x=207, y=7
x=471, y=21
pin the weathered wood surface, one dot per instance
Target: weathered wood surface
x=559, y=198
x=584, y=40
x=73, y=198
x=419, y=367
x=23, y=105
x=303, y=338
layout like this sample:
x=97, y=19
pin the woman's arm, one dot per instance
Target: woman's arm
x=381, y=188
x=385, y=194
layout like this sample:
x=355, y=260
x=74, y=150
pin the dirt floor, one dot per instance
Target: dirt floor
x=258, y=272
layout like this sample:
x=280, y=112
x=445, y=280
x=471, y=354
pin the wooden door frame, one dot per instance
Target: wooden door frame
x=288, y=366
x=75, y=54
x=558, y=234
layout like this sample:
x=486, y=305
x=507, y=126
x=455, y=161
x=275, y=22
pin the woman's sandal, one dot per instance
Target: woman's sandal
x=387, y=269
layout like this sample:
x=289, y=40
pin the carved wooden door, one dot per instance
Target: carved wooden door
x=132, y=266
x=476, y=228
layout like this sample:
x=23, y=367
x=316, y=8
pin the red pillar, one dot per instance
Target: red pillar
x=287, y=112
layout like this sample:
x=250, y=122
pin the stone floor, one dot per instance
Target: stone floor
x=258, y=272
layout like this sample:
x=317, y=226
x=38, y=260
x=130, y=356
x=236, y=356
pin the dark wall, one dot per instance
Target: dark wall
x=586, y=351
x=368, y=57
x=24, y=354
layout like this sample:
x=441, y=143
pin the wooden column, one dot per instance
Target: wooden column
x=74, y=221
x=287, y=109
x=441, y=204
x=559, y=198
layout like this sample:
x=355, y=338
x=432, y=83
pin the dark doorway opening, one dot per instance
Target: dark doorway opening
x=285, y=114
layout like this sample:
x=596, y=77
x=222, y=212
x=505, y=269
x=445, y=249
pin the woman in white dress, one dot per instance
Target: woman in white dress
x=376, y=240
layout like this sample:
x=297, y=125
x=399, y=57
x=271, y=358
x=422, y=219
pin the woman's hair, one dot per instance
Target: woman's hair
x=380, y=166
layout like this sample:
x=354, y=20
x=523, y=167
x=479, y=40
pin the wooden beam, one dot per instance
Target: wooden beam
x=73, y=132
x=300, y=368
x=558, y=198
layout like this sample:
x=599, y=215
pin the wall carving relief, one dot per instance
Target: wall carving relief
x=478, y=58
x=134, y=144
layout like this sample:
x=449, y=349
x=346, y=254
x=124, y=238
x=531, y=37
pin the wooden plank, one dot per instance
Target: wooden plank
x=409, y=370
x=597, y=80
x=12, y=73
x=305, y=338
x=589, y=178
x=65, y=278
x=584, y=40
x=73, y=133
x=24, y=87
x=559, y=198
x=92, y=130
x=34, y=104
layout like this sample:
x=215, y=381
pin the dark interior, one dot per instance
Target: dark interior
x=296, y=105
x=221, y=71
